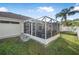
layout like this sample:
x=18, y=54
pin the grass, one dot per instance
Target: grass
x=14, y=46
x=67, y=44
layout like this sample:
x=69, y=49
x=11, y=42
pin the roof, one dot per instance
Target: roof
x=13, y=15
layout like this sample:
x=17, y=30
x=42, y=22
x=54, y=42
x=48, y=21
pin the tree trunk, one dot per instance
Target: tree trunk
x=65, y=20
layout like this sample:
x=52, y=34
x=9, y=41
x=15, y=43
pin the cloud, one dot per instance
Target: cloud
x=3, y=9
x=46, y=9
x=40, y=11
x=76, y=8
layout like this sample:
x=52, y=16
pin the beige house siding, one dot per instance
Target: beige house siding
x=10, y=30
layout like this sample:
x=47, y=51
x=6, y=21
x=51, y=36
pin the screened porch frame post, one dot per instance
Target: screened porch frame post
x=51, y=28
x=31, y=28
x=45, y=29
x=35, y=28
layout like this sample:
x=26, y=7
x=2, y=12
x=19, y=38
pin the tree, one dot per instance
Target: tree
x=64, y=13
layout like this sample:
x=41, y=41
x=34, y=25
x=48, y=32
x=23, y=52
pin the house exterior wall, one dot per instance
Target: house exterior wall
x=69, y=28
x=10, y=30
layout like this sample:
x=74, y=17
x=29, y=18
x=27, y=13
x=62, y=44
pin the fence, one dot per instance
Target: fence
x=25, y=37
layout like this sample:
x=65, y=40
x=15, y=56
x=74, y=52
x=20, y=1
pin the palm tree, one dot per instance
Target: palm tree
x=60, y=15
x=64, y=13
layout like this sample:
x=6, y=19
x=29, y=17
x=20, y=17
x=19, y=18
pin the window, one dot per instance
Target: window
x=12, y=22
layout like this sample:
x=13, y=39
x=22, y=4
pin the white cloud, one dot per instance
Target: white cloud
x=76, y=8
x=3, y=9
x=46, y=9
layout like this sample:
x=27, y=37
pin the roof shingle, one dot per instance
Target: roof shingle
x=13, y=15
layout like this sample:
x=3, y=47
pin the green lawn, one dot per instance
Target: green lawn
x=65, y=45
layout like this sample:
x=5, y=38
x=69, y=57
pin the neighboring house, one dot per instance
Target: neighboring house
x=11, y=24
x=74, y=29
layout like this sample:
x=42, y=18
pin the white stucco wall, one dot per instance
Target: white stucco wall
x=10, y=30
x=66, y=28
x=41, y=40
x=52, y=38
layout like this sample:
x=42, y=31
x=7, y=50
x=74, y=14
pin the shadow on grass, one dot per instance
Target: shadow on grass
x=73, y=46
x=63, y=47
x=68, y=33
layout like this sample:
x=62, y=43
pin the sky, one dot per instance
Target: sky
x=36, y=10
